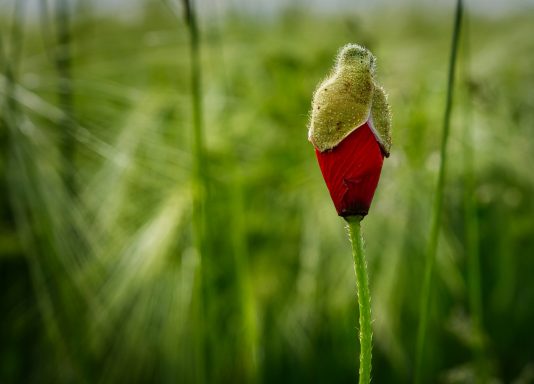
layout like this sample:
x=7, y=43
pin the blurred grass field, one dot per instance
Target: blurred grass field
x=102, y=285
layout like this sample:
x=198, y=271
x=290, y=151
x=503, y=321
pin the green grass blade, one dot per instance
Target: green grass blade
x=437, y=209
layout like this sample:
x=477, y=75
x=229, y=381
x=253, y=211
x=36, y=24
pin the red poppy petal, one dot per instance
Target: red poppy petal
x=352, y=170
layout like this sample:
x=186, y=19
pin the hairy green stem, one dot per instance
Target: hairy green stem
x=364, y=298
x=438, y=203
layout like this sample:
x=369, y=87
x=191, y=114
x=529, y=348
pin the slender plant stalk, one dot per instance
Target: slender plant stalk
x=199, y=166
x=199, y=180
x=65, y=94
x=364, y=298
x=438, y=202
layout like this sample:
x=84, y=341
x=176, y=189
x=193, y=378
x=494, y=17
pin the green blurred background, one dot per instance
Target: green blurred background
x=103, y=276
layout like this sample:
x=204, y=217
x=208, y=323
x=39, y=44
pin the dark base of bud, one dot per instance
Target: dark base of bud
x=355, y=212
x=351, y=171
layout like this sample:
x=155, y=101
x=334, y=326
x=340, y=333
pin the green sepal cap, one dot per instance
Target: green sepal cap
x=347, y=99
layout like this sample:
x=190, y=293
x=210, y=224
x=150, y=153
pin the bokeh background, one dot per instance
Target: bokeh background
x=130, y=255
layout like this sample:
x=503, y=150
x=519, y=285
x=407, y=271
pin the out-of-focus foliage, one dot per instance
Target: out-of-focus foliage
x=102, y=284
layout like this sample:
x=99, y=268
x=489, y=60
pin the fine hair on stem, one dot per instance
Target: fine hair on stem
x=364, y=298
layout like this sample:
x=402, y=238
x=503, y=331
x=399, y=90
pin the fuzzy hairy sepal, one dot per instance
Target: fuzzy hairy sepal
x=347, y=99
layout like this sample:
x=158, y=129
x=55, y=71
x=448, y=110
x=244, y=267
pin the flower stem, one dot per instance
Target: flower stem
x=364, y=298
x=438, y=203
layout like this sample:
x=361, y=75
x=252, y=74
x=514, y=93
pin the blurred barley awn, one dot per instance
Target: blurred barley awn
x=350, y=129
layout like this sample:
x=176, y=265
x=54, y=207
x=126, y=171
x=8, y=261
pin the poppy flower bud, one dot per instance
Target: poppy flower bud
x=350, y=129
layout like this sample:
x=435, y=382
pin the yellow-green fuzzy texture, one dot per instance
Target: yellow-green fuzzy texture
x=381, y=117
x=347, y=99
x=342, y=102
